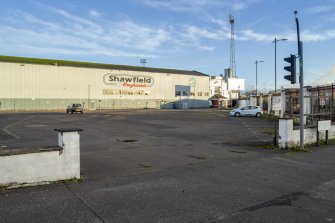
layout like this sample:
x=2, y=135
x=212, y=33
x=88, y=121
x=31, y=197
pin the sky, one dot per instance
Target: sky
x=177, y=34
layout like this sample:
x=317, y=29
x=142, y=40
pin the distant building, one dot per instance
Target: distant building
x=43, y=84
x=229, y=87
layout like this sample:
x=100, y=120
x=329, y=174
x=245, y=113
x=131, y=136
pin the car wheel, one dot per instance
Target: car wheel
x=81, y=112
x=258, y=115
x=237, y=114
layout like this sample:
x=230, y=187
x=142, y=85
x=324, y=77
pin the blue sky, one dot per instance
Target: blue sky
x=179, y=34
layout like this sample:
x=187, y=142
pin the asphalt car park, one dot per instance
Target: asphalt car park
x=171, y=166
x=156, y=138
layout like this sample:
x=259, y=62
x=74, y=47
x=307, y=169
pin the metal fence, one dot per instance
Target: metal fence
x=319, y=104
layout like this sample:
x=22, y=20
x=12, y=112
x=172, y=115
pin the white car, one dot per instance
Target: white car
x=247, y=111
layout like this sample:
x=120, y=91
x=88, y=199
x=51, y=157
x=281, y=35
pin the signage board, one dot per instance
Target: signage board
x=130, y=81
x=324, y=125
x=276, y=103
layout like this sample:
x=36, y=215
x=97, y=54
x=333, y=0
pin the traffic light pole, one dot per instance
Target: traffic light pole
x=301, y=81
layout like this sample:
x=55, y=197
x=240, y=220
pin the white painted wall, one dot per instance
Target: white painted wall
x=289, y=138
x=31, y=168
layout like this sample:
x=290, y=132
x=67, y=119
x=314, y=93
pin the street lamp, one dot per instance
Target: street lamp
x=257, y=62
x=275, y=42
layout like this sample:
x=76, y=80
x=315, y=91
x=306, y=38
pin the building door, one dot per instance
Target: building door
x=158, y=104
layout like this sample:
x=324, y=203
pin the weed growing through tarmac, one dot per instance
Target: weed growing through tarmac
x=145, y=166
x=297, y=149
x=24, y=185
x=267, y=146
x=290, y=151
x=72, y=180
x=269, y=117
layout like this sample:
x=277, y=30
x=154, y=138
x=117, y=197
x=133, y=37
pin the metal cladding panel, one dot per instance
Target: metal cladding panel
x=35, y=81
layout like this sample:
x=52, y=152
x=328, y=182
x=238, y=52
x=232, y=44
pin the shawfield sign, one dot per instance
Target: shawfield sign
x=130, y=81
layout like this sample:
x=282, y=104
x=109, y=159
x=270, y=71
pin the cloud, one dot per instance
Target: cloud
x=200, y=37
x=131, y=35
x=306, y=36
x=183, y=5
x=223, y=24
x=74, y=35
x=79, y=35
x=94, y=13
x=252, y=35
x=314, y=37
x=73, y=18
x=239, y=5
x=322, y=78
x=320, y=9
x=196, y=33
x=198, y=5
x=121, y=38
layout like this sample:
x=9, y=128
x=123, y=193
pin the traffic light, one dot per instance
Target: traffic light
x=291, y=69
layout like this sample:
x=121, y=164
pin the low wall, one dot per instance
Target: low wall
x=35, y=166
x=289, y=138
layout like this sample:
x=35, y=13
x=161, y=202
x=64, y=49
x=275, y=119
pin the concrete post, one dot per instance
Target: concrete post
x=307, y=104
x=270, y=107
x=69, y=140
x=283, y=103
x=285, y=133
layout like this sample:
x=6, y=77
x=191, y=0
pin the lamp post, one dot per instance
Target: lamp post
x=257, y=62
x=275, y=42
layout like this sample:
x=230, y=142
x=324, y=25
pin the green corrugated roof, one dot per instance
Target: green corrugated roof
x=12, y=59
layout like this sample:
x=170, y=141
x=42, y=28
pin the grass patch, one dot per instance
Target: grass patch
x=269, y=117
x=268, y=146
x=330, y=142
x=72, y=180
x=293, y=151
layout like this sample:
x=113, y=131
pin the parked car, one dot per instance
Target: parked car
x=247, y=111
x=74, y=108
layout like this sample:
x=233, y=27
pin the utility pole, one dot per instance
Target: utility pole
x=275, y=42
x=301, y=81
x=257, y=62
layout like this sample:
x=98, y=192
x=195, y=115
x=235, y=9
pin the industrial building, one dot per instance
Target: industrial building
x=225, y=90
x=44, y=84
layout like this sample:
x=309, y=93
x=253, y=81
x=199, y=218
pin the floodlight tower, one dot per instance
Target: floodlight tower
x=143, y=62
x=232, y=47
